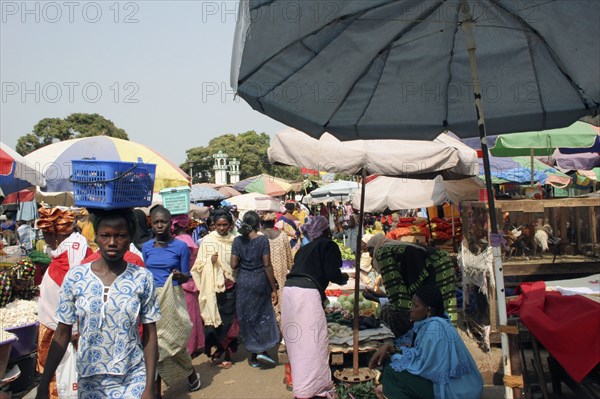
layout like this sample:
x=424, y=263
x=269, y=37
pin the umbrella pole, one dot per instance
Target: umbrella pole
x=357, y=254
x=531, y=157
x=467, y=27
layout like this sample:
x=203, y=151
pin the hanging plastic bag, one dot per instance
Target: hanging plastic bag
x=66, y=375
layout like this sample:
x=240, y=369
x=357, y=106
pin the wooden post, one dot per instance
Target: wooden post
x=578, y=226
x=515, y=358
x=593, y=225
x=564, y=218
x=493, y=307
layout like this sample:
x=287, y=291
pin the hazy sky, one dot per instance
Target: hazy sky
x=158, y=69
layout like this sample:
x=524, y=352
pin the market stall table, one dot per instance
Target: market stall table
x=567, y=324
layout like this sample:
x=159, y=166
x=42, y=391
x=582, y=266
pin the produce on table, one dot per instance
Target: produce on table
x=338, y=331
x=19, y=313
x=5, y=336
x=347, y=253
x=342, y=311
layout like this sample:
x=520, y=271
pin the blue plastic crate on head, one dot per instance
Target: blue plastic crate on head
x=112, y=184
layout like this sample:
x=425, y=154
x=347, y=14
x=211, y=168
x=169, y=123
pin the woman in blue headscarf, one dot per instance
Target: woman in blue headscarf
x=437, y=364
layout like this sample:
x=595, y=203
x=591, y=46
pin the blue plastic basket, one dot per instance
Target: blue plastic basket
x=176, y=199
x=112, y=184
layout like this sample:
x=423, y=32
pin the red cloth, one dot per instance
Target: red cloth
x=567, y=326
x=129, y=257
x=60, y=265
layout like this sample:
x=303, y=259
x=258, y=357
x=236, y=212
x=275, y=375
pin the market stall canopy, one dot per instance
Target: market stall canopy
x=341, y=188
x=264, y=184
x=201, y=193
x=400, y=69
x=310, y=200
x=445, y=155
x=20, y=196
x=575, y=161
x=405, y=69
x=54, y=160
x=227, y=191
x=245, y=202
x=397, y=193
x=16, y=173
x=518, y=170
x=579, y=135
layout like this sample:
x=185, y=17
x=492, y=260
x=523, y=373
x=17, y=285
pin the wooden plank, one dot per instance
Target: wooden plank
x=514, y=352
x=578, y=226
x=337, y=359
x=531, y=269
x=564, y=219
x=517, y=204
x=493, y=307
x=509, y=329
x=593, y=224
x=522, y=206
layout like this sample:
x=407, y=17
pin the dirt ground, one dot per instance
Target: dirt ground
x=244, y=382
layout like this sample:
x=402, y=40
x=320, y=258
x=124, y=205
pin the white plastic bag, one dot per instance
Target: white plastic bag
x=66, y=375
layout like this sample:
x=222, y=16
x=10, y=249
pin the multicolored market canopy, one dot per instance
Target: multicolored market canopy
x=264, y=184
x=16, y=173
x=54, y=160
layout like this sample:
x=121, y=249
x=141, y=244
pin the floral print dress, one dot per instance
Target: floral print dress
x=110, y=357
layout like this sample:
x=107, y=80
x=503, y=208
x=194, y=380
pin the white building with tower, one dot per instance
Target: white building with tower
x=234, y=171
x=220, y=167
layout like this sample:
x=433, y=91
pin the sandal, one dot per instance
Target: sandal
x=265, y=358
x=225, y=364
x=215, y=358
x=195, y=385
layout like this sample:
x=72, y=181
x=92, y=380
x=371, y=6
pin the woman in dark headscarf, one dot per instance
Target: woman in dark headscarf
x=437, y=364
x=315, y=265
x=215, y=280
x=256, y=292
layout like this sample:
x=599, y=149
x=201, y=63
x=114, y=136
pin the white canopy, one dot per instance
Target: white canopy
x=246, y=202
x=400, y=193
x=445, y=155
x=338, y=189
x=310, y=200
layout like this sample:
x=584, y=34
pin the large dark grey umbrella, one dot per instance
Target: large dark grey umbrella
x=411, y=69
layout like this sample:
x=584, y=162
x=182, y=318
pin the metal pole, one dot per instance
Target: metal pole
x=467, y=27
x=357, y=254
x=531, y=152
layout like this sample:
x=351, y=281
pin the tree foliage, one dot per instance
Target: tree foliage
x=250, y=148
x=78, y=125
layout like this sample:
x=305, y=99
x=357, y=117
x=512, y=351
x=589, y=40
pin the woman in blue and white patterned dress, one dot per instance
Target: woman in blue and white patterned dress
x=107, y=297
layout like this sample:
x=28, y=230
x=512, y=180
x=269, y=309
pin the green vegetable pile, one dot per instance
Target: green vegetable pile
x=363, y=390
x=39, y=257
x=341, y=312
x=346, y=252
